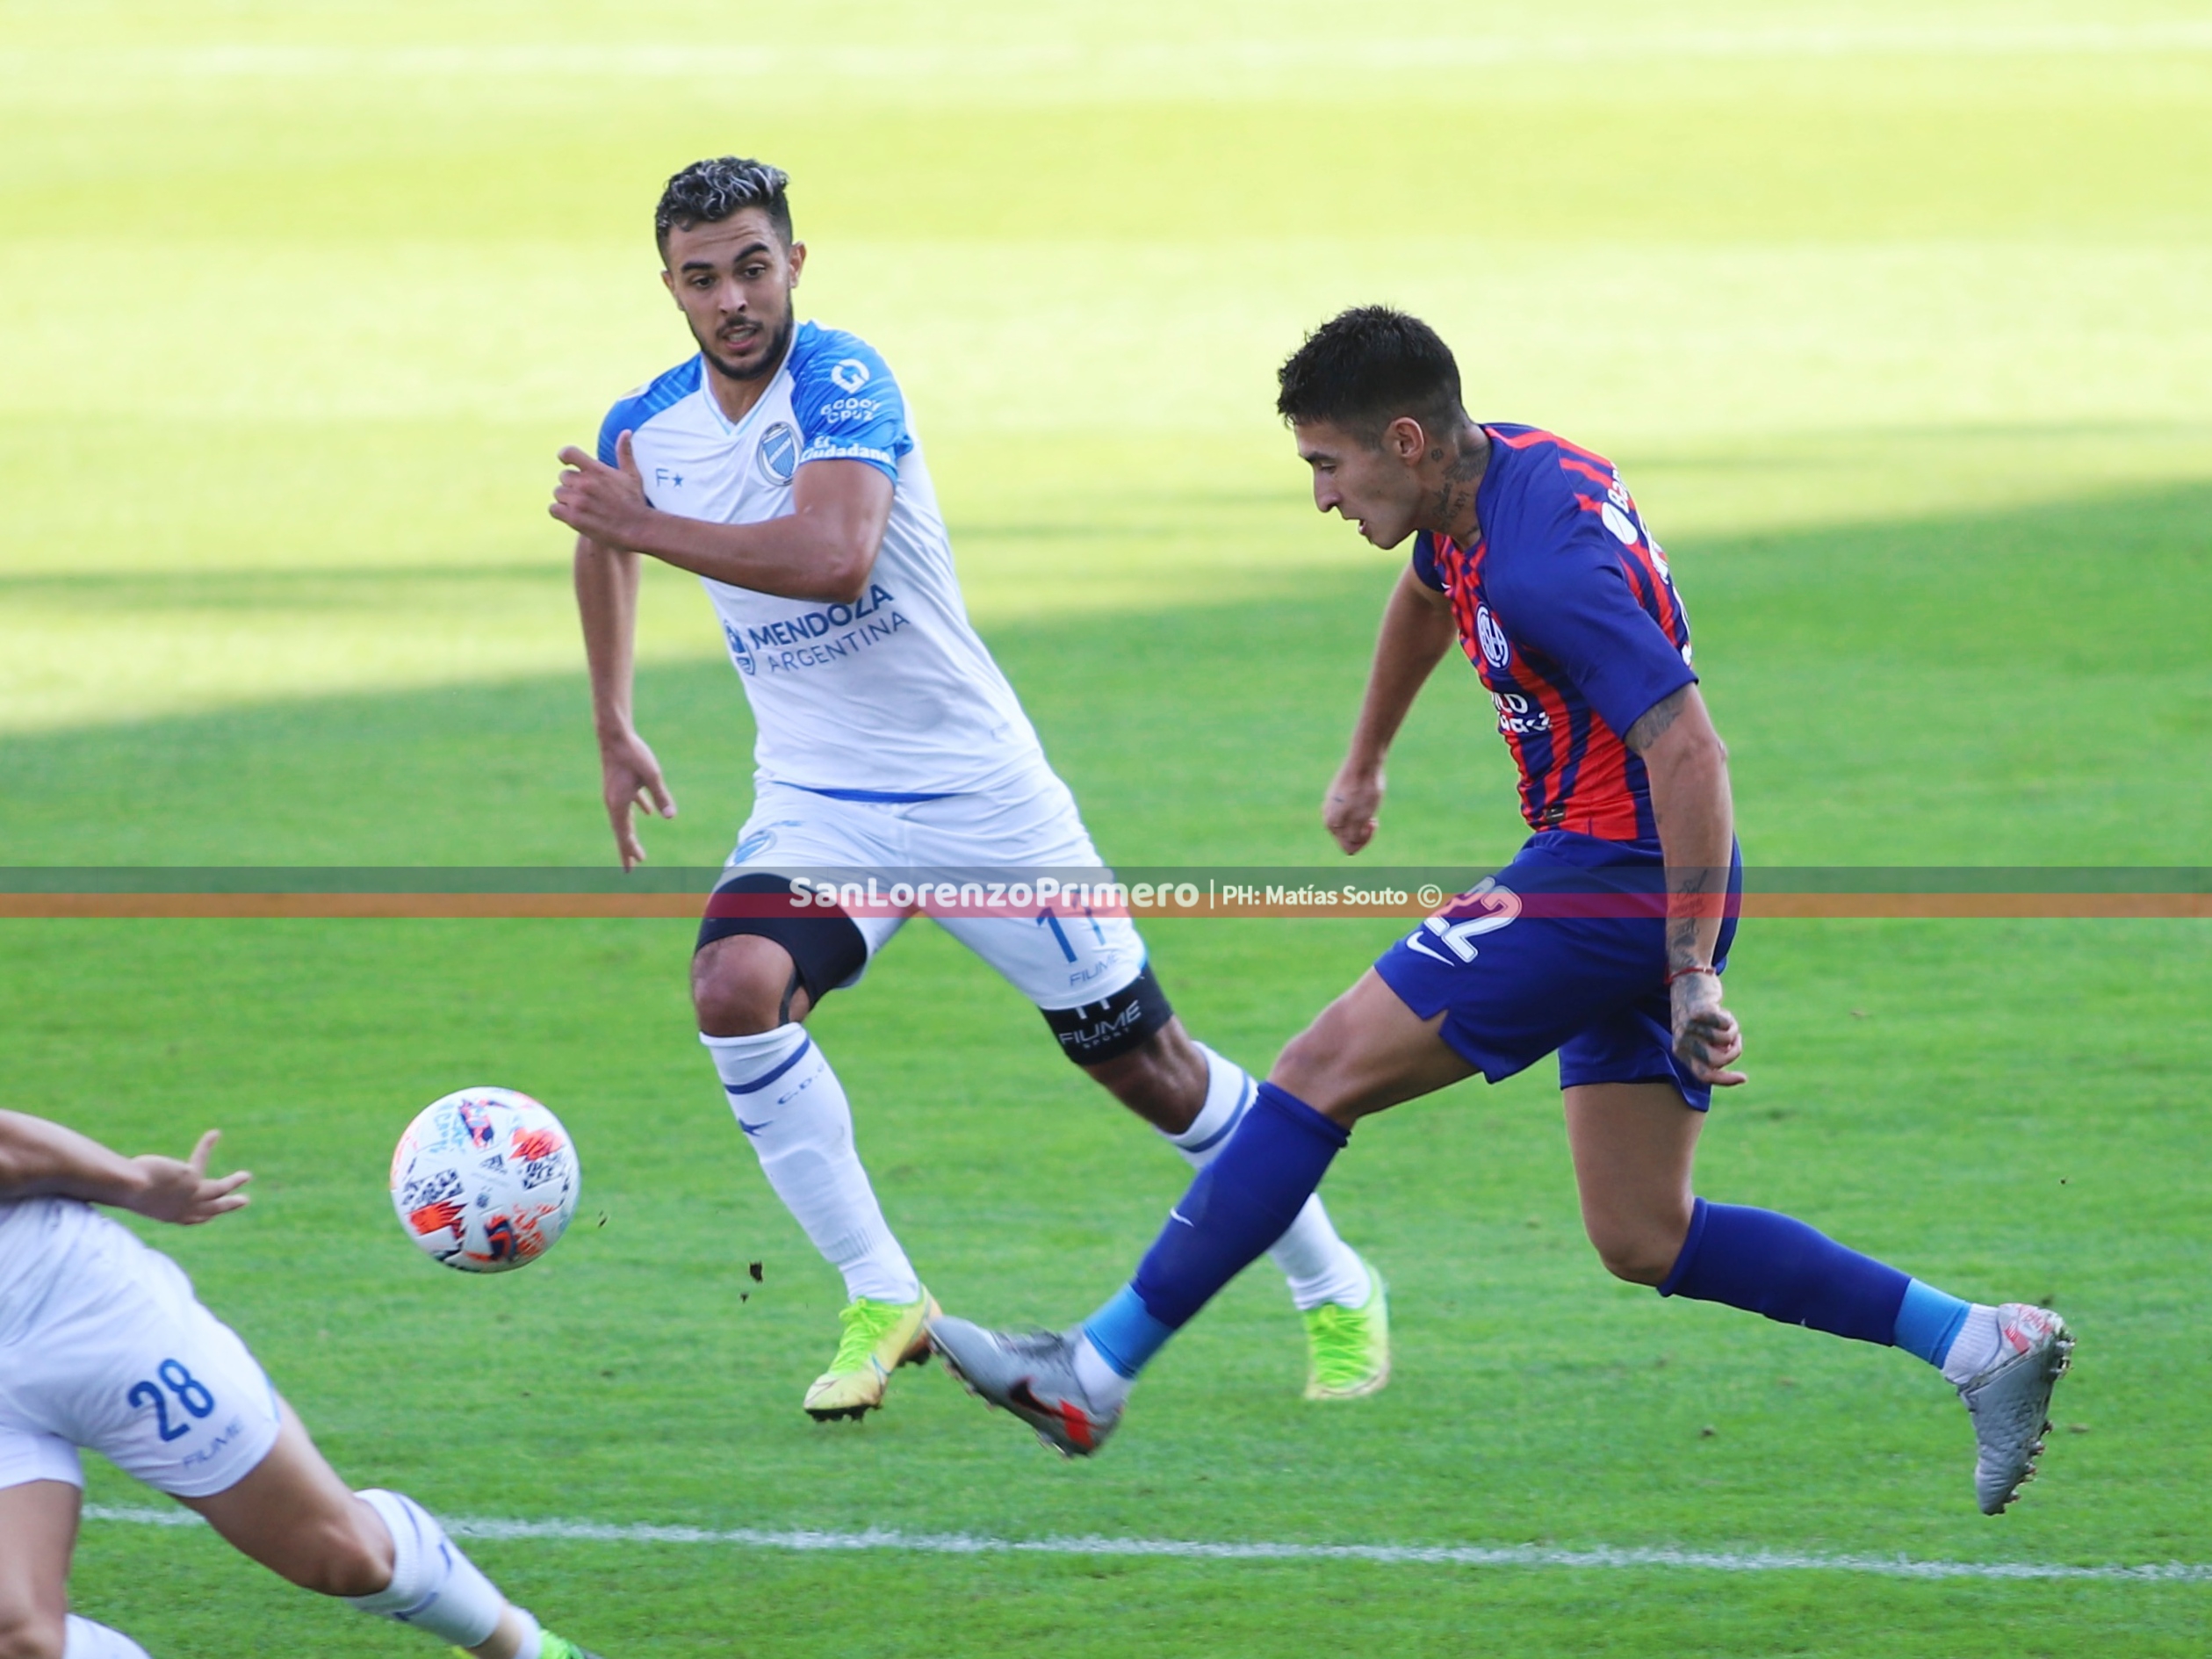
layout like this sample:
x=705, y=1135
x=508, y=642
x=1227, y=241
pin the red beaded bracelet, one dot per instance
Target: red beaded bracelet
x=1684, y=973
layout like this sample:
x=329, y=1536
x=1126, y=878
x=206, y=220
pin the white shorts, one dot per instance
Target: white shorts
x=113, y=1352
x=1059, y=957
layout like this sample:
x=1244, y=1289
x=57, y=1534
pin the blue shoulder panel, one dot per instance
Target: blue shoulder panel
x=847, y=405
x=647, y=400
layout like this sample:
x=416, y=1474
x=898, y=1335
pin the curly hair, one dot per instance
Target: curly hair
x=1364, y=368
x=707, y=192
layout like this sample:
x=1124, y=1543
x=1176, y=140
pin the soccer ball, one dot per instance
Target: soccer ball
x=485, y=1179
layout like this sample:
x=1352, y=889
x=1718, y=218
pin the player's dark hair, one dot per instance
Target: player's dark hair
x=707, y=192
x=1364, y=368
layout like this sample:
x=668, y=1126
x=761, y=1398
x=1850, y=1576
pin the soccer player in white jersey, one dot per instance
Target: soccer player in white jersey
x=778, y=464
x=104, y=1345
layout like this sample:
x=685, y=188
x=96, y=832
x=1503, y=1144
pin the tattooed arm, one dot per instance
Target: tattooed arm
x=1688, y=767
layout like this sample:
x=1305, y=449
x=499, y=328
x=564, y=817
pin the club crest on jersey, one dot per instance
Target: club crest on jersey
x=779, y=453
x=1495, y=649
x=850, y=374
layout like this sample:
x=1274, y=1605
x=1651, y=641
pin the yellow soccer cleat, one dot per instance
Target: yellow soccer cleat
x=1348, y=1349
x=879, y=1338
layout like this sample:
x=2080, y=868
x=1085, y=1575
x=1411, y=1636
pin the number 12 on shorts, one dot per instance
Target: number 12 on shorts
x=191, y=1395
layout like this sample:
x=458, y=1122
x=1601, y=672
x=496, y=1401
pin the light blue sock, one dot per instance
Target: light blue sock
x=1125, y=1335
x=1238, y=1205
x=1928, y=1322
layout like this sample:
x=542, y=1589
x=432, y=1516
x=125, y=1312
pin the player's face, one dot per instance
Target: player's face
x=733, y=278
x=1374, y=487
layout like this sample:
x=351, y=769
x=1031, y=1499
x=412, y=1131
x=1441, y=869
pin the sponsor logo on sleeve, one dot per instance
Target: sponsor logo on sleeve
x=850, y=374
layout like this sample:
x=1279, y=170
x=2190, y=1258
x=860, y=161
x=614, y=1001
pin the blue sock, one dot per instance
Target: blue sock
x=1928, y=1322
x=1240, y=1204
x=1777, y=1266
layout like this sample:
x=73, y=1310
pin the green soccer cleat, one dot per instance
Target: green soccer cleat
x=1348, y=1349
x=552, y=1647
x=879, y=1338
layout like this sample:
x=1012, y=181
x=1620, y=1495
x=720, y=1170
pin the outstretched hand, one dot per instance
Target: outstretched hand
x=181, y=1190
x=607, y=503
x=1350, y=808
x=1707, y=1038
x=631, y=780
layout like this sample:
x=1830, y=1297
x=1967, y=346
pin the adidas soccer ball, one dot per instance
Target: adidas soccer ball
x=485, y=1179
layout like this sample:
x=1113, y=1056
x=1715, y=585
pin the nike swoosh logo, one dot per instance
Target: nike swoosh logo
x=1178, y=1216
x=1414, y=942
x=1071, y=1417
x=755, y=1128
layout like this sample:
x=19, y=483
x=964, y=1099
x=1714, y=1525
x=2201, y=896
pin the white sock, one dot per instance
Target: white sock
x=1319, y=1265
x=89, y=1640
x=1974, y=1350
x=793, y=1109
x=434, y=1586
x=1105, y=1387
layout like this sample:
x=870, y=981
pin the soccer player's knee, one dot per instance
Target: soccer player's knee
x=737, y=986
x=1642, y=1256
x=1302, y=1069
x=29, y=1634
x=352, y=1557
x=1163, y=1080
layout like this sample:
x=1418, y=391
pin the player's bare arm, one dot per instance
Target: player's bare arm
x=1416, y=630
x=1688, y=767
x=40, y=1159
x=824, y=550
x=630, y=775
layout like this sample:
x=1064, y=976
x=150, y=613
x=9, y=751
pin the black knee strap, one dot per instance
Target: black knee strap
x=1093, y=1033
x=826, y=945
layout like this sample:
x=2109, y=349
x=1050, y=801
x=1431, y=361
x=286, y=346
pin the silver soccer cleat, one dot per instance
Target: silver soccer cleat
x=1032, y=1376
x=2010, y=1402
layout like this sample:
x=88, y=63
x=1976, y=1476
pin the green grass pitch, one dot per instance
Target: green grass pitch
x=1894, y=315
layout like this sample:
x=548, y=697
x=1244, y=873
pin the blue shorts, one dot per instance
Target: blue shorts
x=1564, y=949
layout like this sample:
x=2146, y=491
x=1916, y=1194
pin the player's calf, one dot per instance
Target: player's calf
x=38, y=1526
x=379, y=1551
x=1164, y=1080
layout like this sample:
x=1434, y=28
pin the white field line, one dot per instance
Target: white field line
x=1182, y=1549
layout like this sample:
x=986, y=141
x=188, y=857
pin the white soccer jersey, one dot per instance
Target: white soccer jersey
x=891, y=697
x=37, y=1237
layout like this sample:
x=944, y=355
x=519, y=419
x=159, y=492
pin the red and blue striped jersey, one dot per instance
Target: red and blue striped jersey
x=1568, y=612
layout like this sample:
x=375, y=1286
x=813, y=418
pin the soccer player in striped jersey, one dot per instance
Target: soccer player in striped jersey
x=1603, y=941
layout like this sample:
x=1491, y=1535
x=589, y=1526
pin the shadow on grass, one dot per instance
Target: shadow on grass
x=2000, y=670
